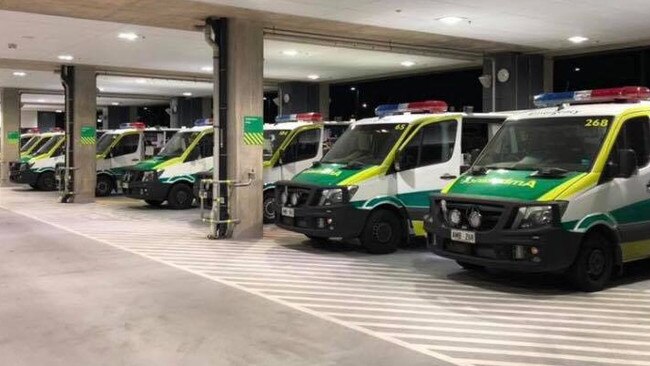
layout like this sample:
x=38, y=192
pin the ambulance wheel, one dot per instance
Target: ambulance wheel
x=154, y=203
x=269, y=207
x=470, y=266
x=104, y=186
x=383, y=232
x=33, y=185
x=180, y=197
x=594, y=264
x=46, y=181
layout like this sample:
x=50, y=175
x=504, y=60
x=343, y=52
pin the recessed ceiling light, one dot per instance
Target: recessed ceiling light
x=407, y=63
x=19, y=73
x=365, y=105
x=353, y=88
x=66, y=57
x=100, y=89
x=187, y=94
x=207, y=68
x=128, y=36
x=58, y=111
x=141, y=81
x=40, y=100
x=451, y=20
x=290, y=53
x=577, y=39
x=115, y=103
x=313, y=77
x=577, y=69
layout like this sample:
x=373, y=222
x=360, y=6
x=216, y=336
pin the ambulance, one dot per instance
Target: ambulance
x=38, y=169
x=28, y=141
x=564, y=189
x=125, y=147
x=170, y=175
x=374, y=183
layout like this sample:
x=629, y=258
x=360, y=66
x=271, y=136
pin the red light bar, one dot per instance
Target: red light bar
x=309, y=117
x=624, y=93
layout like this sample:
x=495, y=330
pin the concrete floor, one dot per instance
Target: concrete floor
x=118, y=283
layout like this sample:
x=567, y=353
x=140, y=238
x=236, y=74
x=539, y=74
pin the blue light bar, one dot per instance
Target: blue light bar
x=627, y=93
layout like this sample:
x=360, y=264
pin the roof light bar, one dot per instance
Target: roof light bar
x=302, y=117
x=34, y=130
x=430, y=106
x=626, y=93
x=136, y=125
x=203, y=122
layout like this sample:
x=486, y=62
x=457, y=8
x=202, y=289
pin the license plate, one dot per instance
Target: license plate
x=287, y=211
x=125, y=185
x=463, y=236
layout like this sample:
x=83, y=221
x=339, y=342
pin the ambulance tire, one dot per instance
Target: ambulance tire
x=383, y=232
x=180, y=197
x=268, y=207
x=104, y=186
x=594, y=264
x=33, y=185
x=46, y=181
x=470, y=266
x=154, y=203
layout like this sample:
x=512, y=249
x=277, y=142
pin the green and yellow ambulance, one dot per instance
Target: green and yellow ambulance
x=38, y=169
x=171, y=174
x=374, y=183
x=565, y=188
x=28, y=141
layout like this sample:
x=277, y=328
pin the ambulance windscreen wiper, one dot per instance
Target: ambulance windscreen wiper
x=550, y=172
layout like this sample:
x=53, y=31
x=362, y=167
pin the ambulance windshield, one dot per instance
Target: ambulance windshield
x=273, y=139
x=365, y=144
x=105, y=142
x=47, y=146
x=177, y=145
x=30, y=142
x=564, y=143
x=41, y=141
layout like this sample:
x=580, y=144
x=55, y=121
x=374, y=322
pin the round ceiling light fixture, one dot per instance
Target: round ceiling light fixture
x=407, y=63
x=207, y=68
x=19, y=73
x=313, y=77
x=128, y=36
x=452, y=20
x=187, y=94
x=65, y=57
x=577, y=39
x=290, y=53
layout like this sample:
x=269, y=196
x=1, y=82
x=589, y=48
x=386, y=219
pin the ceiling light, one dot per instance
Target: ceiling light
x=128, y=36
x=290, y=53
x=66, y=57
x=141, y=81
x=20, y=73
x=364, y=105
x=451, y=20
x=577, y=39
x=577, y=69
x=352, y=88
x=58, y=111
x=187, y=94
x=40, y=100
x=207, y=68
x=313, y=77
x=100, y=89
x=115, y=103
x=407, y=63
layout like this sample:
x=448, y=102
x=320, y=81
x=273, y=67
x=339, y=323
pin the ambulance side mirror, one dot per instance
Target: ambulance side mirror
x=628, y=163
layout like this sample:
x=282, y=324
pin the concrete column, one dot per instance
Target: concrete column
x=324, y=97
x=303, y=97
x=85, y=115
x=174, y=121
x=245, y=91
x=525, y=79
x=10, y=129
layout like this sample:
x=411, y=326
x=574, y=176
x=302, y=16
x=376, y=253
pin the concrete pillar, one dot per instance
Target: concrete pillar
x=324, y=97
x=245, y=91
x=525, y=79
x=84, y=117
x=10, y=129
x=174, y=120
x=303, y=97
x=206, y=107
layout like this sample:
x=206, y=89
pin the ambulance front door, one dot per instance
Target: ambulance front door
x=305, y=147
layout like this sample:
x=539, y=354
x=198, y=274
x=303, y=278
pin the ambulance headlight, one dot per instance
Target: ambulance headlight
x=333, y=196
x=149, y=176
x=531, y=217
x=284, y=197
x=294, y=198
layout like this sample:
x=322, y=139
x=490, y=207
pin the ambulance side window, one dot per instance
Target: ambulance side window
x=204, y=149
x=434, y=144
x=304, y=146
x=127, y=145
x=634, y=135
